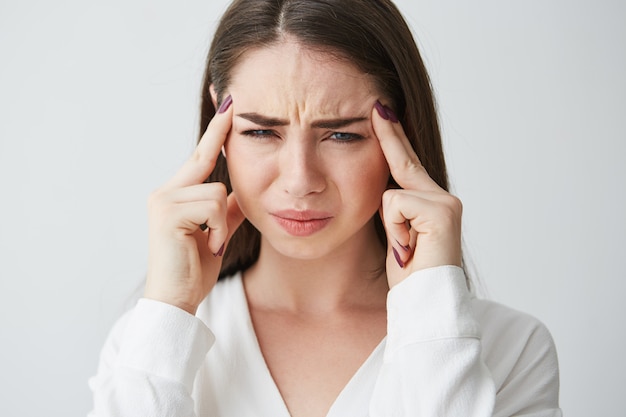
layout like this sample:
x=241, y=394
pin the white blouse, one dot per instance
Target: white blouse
x=445, y=354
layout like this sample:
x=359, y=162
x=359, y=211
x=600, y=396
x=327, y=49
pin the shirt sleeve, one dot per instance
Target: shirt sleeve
x=149, y=362
x=523, y=361
x=433, y=363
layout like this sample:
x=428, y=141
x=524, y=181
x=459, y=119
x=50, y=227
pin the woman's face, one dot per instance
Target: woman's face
x=303, y=159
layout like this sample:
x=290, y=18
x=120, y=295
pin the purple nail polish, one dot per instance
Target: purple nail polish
x=391, y=115
x=397, y=256
x=219, y=252
x=381, y=110
x=225, y=104
x=406, y=248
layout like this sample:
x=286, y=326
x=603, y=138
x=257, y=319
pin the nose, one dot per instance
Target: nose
x=301, y=168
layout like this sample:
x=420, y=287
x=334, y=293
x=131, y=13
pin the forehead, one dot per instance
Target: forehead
x=287, y=77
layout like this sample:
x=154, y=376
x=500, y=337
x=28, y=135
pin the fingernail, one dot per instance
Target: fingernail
x=406, y=248
x=219, y=252
x=225, y=104
x=391, y=115
x=397, y=256
x=381, y=110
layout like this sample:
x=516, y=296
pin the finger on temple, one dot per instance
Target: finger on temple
x=201, y=163
x=404, y=164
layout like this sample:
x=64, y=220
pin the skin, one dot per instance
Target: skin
x=317, y=301
x=323, y=157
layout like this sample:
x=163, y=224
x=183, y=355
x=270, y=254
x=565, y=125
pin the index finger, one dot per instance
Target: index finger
x=201, y=163
x=404, y=164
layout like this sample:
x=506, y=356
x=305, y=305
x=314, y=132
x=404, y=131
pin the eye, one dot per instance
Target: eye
x=345, y=137
x=259, y=133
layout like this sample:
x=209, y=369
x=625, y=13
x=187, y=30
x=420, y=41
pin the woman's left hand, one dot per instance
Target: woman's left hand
x=421, y=219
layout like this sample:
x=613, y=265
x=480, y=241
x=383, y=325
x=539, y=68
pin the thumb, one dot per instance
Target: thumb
x=234, y=215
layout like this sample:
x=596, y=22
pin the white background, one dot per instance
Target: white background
x=98, y=106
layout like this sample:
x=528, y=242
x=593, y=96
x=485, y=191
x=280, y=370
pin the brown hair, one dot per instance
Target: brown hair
x=372, y=34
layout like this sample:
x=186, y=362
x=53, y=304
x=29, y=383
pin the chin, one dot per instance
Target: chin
x=302, y=251
x=299, y=248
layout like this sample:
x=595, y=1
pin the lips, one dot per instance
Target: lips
x=302, y=223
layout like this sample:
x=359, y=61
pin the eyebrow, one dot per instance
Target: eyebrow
x=265, y=121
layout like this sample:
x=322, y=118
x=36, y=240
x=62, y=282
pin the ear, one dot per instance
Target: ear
x=213, y=95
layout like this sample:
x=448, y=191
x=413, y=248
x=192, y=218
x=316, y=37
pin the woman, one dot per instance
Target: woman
x=327, y=216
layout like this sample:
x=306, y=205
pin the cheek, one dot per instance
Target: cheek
x=249, y=172
x=360, y=174
x=375, y=180
x=364, y=177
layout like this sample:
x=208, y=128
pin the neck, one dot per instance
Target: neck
x=352, y=276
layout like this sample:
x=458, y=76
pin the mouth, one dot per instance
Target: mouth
x=302, y=223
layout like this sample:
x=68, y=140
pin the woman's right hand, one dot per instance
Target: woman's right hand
x=184, y=260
